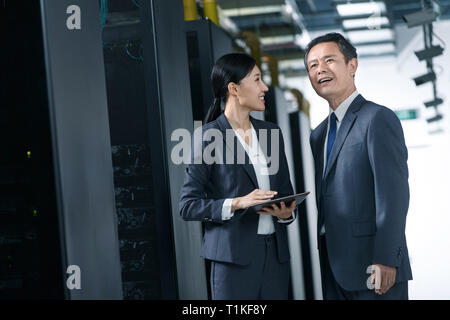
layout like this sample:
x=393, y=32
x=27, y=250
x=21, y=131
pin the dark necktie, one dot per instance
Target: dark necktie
x=331, y=138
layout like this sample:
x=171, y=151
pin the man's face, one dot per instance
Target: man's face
x=330, y=76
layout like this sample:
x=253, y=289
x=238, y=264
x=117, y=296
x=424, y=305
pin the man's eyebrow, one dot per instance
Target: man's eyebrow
x=325, y=57
x=257, y=75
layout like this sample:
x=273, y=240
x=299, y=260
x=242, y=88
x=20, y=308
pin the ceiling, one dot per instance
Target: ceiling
x=284, y=27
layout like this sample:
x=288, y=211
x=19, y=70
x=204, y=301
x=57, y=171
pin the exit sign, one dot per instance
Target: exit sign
x=407, y=114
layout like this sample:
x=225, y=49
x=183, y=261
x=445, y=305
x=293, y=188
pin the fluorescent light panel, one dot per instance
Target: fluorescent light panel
x=293, y=63
x=226, y=22
x=248, y=11
x=354, y=9
x=372, y=22
x=375, y=49
x=302, y=40
x=370, y=35
x=276, y=40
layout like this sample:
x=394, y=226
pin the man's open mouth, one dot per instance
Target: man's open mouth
x=325, y=80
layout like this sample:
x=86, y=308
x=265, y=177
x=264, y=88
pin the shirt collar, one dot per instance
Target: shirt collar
x=254, y=138
x=343, y=107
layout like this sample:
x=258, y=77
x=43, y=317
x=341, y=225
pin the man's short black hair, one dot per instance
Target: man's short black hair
x=347, y=49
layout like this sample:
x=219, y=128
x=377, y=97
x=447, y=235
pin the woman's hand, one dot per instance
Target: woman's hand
x=255, y=197
x=281, y=212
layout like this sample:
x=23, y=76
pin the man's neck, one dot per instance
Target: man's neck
x=334, y=102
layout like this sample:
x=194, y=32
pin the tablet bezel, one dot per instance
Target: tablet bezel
x=287, y=200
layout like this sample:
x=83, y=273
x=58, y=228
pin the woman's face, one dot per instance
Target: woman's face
x=251, y=91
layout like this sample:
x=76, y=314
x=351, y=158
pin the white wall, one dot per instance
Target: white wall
x=388, y=81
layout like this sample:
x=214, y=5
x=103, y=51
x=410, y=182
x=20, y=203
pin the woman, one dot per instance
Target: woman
x=248, y=252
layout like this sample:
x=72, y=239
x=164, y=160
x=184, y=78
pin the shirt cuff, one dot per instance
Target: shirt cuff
x=287, y=220
x=226, y=210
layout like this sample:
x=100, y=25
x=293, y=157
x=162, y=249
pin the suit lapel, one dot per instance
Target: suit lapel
x=344, y=129
x=319, y=146
x=236, y=147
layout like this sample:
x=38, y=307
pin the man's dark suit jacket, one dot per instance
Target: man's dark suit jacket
x=206, y=187
x=365, y=193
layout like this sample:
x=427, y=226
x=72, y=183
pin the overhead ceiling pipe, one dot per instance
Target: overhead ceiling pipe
x=190, y=10
x=299, y=97
x=210, y=9
x=272, y=63
x=252, y=41
x=306, y=108
x=303, y=104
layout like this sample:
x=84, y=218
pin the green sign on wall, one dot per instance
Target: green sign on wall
x=406, y=114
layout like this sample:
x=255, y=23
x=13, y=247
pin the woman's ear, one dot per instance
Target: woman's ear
x=232, y=89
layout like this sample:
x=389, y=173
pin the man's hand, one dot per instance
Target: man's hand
x=281, y=212
x=386, y=276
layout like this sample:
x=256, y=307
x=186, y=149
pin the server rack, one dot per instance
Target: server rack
x=146, y=241
x=206, y=43
x=142, y=225
x=115, y=186
x=30, y=247
x=56, y=129
x=148, y=98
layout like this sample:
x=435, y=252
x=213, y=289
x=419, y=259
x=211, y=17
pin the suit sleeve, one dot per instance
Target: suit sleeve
x=388, y=157
x=194, y=204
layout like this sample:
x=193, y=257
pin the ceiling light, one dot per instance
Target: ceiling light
x=226, y=22
x=429, y=53
x=370, y=35
x=431, y=76
x=248, y=11
x=276, y=40
x=302, y=40
x=424, y=16
x=434, y=103
x=354, y=9
x=292, y=63
x=288, y=9
x=434, y=119
x=376, y=49
x=371, y=22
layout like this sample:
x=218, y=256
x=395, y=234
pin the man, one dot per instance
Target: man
x=361, y=182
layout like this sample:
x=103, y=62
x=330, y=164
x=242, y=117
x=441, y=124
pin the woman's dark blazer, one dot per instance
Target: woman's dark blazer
x=206, y=186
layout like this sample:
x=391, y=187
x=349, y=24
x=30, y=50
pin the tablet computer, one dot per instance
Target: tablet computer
x=287, y=201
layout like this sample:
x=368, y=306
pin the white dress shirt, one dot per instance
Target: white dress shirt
x=259, y=162
x=340, y=112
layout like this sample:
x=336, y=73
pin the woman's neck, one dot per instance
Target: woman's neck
x=237, y=116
